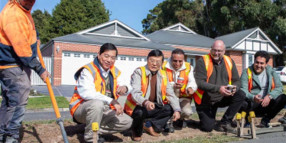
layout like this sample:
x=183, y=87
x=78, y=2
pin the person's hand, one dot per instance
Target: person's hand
x=224, y=92
x=190, y=91
x=178, y=85
x=265, y=101
x=150, y=106
x=45, y=75
x=117, y=106
x=233, y=90
x=176, y=116
x=121, y=90
x=257, y=99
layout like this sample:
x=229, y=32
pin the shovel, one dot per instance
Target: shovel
x=52, y=96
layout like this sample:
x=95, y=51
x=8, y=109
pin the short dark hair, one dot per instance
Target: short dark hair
x=156, y=53
x=178, y=51
x=107, y=47
x=263, y=54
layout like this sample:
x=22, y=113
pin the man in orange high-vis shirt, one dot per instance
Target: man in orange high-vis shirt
x=263, y=89
x=152, y=99
x=213, y=73
x=98, y=87
x=181, y=77
x=18, y=54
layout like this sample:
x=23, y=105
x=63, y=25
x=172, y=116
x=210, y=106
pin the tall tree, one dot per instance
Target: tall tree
x=71, y=16
x=42, y=23
x=170, y=12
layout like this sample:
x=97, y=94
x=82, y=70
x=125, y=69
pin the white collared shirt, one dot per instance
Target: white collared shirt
x=191, y=79
x=86, y=87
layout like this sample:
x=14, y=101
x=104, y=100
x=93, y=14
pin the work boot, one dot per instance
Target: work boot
x=169, y=128
x=282, y=120
x=225, y=127
x=100, y=139
x=10, y=139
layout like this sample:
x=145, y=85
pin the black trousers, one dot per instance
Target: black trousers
x=158, y=117
x=207, y=112
x=270, y=111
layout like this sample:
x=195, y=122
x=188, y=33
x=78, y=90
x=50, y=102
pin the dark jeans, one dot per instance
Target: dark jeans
x=207, y=112
x=158, y=117
x=15, y=89
x=269, y=112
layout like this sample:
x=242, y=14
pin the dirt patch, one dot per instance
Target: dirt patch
x=50, y=133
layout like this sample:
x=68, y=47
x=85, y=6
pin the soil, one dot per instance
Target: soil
x=50, y=133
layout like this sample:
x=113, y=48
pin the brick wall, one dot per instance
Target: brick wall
x=237, y=58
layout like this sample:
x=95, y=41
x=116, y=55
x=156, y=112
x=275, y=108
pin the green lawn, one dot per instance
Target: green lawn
x=205, y=139
x=45, y=102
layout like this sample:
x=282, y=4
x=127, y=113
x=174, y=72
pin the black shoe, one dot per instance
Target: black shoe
x=264, y=123
x=178, y=124
x=282, y=120
x=184, y=125
x=100, y=139
x=225, y=127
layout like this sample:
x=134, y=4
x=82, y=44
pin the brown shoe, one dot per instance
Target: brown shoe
x=135, y=138
x=151, y=131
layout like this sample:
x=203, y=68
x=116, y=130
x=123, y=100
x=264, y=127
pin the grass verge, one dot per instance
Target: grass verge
x=205, y=139
x=45, y=102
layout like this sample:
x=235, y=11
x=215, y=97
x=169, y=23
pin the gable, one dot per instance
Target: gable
x=180, y=28
x=113, y=29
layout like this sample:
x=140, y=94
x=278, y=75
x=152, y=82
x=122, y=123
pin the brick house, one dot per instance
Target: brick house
x=68, y=53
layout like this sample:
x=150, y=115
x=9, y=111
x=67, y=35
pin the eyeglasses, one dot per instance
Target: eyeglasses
x=157, y=62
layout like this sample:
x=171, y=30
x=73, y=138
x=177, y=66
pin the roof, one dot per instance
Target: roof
x=178, y=34
x=118, y=41
x=233, y=38
x=112, y=32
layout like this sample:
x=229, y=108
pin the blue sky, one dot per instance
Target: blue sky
x=130, y=12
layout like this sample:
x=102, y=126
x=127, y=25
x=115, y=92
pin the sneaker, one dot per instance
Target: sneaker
x=264, y=123
x=282, y=120
x=10, y=139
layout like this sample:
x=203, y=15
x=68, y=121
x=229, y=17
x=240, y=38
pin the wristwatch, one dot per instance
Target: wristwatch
x=270, y=97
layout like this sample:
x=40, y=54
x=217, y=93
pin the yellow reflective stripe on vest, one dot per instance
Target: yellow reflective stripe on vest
x=143, y=81
x=164, y=85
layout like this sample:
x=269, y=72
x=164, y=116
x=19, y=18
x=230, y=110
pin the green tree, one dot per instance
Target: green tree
x=70, y=16
x=42, y=23
x=170, y=12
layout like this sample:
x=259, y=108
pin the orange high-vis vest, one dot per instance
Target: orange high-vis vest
x=198, y=95
x=249, y=73
x=183, y=73
x=131, y=104
x=99, y=85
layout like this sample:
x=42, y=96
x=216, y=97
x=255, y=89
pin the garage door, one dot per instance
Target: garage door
x=71, y=62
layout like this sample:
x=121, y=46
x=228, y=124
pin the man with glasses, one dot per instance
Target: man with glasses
x=181, y=77
x=95, y=96
x=218, y=86
x=152, y=99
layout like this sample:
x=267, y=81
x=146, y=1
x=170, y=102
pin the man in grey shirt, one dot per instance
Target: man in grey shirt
x=263, y=89
x=152, y=99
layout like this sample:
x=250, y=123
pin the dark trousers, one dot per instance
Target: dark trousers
x=207, y=112
x=158, y=117
x=15, y=89
x=270, y=111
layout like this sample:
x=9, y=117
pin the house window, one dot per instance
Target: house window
x=76, y=55
x=94, y=56
x=250, y=59
x=67, y=54
x=131, y=58
x=138, y=59
x=86, y=55
x=192, y=61
x=123, y=58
